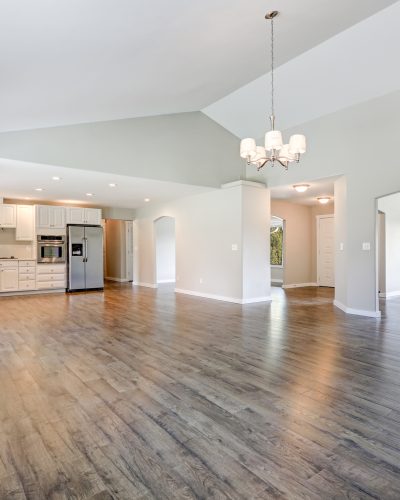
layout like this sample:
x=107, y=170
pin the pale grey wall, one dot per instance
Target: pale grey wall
x=358, y=143
x=165, y=249
x=187, y=148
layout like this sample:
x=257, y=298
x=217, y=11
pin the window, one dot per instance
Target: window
x=276, y=241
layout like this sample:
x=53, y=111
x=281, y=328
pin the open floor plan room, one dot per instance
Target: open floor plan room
x=199, y=250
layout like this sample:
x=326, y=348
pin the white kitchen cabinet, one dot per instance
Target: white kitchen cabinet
x=80, y=215
x=50, y=217
x=8, y=217
x=8, y=276
x=51, y=276
x=25, y=223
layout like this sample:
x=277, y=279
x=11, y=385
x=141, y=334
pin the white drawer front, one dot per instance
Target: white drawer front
x=51, y=269
x=26, y=277
x=47, y=285
x=8, y=263
x=26, y=270
x=27, y=263
x=51, y=277
x=27, y=285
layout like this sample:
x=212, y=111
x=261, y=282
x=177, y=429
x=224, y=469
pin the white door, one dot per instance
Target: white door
x=57, y=217
x=43, y=216
x=9, y=279
x=326, y=251
x=25, y=222
x=75, y=215
x=92, y=216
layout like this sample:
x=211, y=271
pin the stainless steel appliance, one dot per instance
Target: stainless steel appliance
x=85, y=257
x=50, y=249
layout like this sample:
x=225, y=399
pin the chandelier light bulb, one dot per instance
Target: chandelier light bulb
x=301, y=188
x=275, y=149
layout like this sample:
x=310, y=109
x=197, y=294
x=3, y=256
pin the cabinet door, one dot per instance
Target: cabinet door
x=25, y=225
x=57, y=217
x=42, y=216
x=8, y=216
x=75, y=215
x=9, y=279
x=92, y=216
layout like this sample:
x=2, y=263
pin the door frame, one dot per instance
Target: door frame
x=318, y=218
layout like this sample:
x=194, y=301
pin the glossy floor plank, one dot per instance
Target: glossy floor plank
x=140, y=393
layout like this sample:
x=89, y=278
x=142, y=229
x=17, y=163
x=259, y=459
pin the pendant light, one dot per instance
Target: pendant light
x=275, y=150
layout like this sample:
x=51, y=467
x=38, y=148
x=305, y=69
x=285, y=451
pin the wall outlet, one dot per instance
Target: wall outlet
x=366, y=246
x=234, y=247
x=201, y=280
x=341, y=246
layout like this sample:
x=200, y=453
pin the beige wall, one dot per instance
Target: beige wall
x=300, y=244
x=115, y=249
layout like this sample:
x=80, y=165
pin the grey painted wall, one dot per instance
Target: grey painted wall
x=187, y=148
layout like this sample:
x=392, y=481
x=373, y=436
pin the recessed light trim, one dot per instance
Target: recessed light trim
x=38, y=189
x=112, y=185
x=89, y=194
x=147, y=200
x=56, y=178
x=301, y=188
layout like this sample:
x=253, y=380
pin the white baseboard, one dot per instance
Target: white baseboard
x=165, y=281
x=357, y=312
x=32, y=292
x=147, y=285
x=299, y=285
x=278, y=282
x=387, y=295
x=223, y=298
x=120, y=280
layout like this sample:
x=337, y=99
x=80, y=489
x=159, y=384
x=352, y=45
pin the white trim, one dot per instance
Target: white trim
x=32, y=292
x=387, y=295
x=255, y=184
x=275, y=280
x=147, y=285
x=318, y=218
x=357, y=312
x=299, y=285
x=222, y=298
x=166, y=281
x=120, y=280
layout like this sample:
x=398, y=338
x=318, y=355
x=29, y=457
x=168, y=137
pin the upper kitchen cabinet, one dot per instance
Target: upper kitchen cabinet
x=50, y=217
x=79, y=215
x=25, y=223
x=8, y=216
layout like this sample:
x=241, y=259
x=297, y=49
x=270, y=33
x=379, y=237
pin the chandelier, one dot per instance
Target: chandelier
x=274, y=150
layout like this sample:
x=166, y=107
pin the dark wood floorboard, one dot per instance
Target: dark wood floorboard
x=142, y=394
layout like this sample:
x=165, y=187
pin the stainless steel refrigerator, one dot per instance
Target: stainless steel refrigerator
x=85, y=257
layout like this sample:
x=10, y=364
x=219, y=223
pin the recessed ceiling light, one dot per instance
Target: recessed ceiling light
x=56, y=178
x=38, y=189
x=89, y=194
x=112, y=185
x=147, y=199
x=324, y=199
x=301, y=188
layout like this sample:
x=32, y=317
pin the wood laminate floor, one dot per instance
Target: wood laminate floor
x=139, y=394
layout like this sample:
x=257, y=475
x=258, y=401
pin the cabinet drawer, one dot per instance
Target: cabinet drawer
x=51, y=269
x=51, y=277
x=26, y=270
x=43, y=285
x=27, y=263
x=8, y=263
x=27, y=285
x=26, y=276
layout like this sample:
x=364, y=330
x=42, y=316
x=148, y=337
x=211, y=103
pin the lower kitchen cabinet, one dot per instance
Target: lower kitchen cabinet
x=51, y=276
x=8, y=276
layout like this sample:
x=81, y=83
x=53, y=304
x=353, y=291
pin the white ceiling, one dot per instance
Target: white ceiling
x=321, y=187
x=70, y=61
x=19, y=180
x=354, y=66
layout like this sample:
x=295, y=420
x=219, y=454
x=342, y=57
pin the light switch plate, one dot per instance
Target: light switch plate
x=234, y=247
x=341, y=246
x=366, y=246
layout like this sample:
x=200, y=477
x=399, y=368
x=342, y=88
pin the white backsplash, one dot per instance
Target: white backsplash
x=9, y=247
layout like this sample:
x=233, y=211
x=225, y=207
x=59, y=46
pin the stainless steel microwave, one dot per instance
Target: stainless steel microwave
x=50, y=249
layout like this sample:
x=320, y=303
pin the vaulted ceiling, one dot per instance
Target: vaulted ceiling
x=71, y=61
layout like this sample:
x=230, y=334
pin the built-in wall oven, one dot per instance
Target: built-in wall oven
x=50, y=249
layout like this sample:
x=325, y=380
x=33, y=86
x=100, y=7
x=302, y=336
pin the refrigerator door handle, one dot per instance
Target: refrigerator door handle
x=86, y=249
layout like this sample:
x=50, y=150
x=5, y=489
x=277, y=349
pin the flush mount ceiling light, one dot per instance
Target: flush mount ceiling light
x=38, y=189
x=112, y=185
x=274, y=150
x=324, y=199
x=301, y=188
x=89, y=194
x=56, y=178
